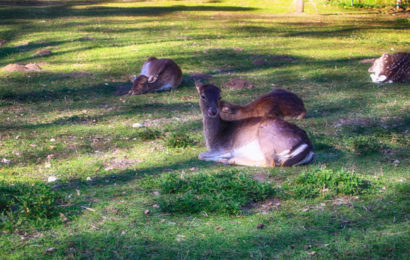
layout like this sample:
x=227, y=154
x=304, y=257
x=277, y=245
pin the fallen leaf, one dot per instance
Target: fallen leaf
x=51, y=178
x=63, y=217
x=87, y=208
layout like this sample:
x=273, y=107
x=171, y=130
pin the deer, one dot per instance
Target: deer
x=267, y=141
x=279, y=102
x=156, y=75
x=391, y=68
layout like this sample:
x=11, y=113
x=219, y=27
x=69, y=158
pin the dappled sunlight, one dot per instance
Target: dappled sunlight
x=70, y=118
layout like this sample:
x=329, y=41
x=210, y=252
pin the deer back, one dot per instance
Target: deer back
x=279, y=103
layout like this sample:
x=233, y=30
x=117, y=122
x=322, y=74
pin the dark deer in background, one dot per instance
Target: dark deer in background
x=257, y=141
x=280, y=103
x=157, y=75
x=391, y=68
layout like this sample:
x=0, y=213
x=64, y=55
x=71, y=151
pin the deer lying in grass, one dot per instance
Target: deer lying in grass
x=257, y=141
x=280, y=103
x=391, y=68
x=157, y=75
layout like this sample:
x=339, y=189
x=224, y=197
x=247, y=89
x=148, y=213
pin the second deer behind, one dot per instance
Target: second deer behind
x=157, y=75
x=279, y=103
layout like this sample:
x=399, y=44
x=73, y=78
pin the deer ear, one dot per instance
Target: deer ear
x=152, y=78
x=198, y=85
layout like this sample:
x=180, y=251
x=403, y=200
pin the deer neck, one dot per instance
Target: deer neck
x=213, y=127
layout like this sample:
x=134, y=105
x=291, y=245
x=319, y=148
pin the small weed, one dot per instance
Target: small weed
x=179, y=140
x=224, y=192
x=26, y=203
x=147, y=134
x=325, y=182
x=402, y=20
x=363, y=145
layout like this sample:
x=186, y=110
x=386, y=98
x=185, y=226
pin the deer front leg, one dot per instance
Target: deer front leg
x=214, y=156
x=246, y=162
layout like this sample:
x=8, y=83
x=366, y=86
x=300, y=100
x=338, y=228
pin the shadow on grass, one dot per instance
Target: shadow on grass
x=66, y=10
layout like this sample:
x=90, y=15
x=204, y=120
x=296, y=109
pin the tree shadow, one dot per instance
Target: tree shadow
x=47, y=12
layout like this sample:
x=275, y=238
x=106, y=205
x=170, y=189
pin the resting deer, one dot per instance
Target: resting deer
x=257, y=141
x=157, y=75
x=280, y=103
x=391, y=68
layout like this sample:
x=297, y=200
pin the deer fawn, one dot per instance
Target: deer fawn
x=157, y=75
x=280, y=103
x=258, y=141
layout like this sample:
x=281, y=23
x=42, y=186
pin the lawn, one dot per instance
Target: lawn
x=128, y=181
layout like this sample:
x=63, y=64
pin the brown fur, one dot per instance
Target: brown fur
x=158, y=73
x=391, y=68
x=256, y=141
x=280, y=103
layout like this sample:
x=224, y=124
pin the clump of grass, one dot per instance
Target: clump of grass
x=26, y=203
x=224, y=192
x=363, y=145
x=147, y=134
x=179, y=140
x=325, y=182
x=402, y=20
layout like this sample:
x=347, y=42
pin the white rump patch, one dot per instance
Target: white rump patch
x=307, y=159
x=251, y=151
x=285, y=155
x=145, y=69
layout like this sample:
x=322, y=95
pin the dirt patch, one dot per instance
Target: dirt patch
x=200, y=76
x=260, y=176
x=365, y=61
x=238, y=83
x=259, y=62
x=283, y=58
x=264, y=206
x=122, y=89
x=43, y=52
x=355, y=121
x=21, y=67
x=120, y=164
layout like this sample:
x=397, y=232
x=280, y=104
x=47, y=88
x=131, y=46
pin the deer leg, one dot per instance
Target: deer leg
x=247, y=162
x=214, y=156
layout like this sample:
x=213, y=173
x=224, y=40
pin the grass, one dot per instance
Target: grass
x=117, y=156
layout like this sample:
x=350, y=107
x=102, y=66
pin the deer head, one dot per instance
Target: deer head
x=210, y=97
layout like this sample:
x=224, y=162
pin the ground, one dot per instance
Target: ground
x=128, y=181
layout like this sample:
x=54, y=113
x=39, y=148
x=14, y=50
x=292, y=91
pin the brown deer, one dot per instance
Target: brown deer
x=258, y=141
x=280, y=103
x=157, y=75
x=391, y=68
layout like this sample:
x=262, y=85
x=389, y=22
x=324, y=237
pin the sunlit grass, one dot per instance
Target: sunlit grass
x=66, y=121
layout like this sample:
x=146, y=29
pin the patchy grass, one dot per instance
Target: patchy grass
x=326, y=183
x=225, y=192
x=68, y=118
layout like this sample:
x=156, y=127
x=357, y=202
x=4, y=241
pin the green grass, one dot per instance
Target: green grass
x=117, y=156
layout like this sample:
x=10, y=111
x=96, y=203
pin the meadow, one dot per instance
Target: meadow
x=87, y=171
